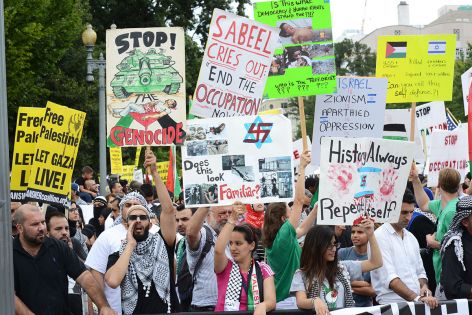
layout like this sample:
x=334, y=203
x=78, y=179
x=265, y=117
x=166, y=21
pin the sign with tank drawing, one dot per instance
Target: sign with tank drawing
x=145, y=86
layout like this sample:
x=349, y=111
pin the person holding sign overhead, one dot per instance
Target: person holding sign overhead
x=243, y=284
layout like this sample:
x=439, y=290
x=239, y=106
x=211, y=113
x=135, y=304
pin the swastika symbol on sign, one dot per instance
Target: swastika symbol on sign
x=258, y=132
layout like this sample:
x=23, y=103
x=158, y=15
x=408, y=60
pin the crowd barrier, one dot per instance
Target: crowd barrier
x=450, y=307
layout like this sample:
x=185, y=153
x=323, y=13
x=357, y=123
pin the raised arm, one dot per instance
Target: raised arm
x=114, y=276
x=299, y=191
x=420, y=195
x=167, y=219
x=307, y=223
x=220, y=256
x=194, y=226
x=375, y=259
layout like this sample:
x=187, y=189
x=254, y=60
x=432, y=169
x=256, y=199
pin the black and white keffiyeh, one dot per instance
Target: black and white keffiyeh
x=233, y=291
x=126, y=198
x=454, y=235
x=150, y=263
x=343, y=276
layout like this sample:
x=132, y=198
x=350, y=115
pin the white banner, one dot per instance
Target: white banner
x=430, y=116
x=145, y=79
x=298, y=150
x=397, y=126
x=356, y=110
x=466, y=79
x=241, y=158
x=362, y=176
x=448, y=149
x=235, y=66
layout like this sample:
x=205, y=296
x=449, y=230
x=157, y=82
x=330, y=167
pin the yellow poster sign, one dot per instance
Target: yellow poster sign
x=128, y=173
x=28, y=124
x=116, y=160
x=419, y=68
x=56, y=151
x=163, y=169
x=138, y=154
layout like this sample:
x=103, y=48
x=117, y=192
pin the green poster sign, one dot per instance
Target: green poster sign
x=303, y=64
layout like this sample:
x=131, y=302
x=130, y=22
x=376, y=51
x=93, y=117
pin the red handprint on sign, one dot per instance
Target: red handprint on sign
x=387, y=183
x=341, y=176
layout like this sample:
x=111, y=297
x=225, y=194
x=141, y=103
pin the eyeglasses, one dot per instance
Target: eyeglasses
x=334, y=246
x=134, y=217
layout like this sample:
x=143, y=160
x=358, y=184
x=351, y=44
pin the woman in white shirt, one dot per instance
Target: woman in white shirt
x=322, y=283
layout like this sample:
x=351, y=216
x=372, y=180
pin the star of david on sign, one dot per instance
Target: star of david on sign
x=258, y=132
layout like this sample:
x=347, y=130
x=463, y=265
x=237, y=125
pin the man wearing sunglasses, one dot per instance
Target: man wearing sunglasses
x=109, y=241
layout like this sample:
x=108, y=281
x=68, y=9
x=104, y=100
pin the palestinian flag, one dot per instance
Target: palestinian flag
x=395, y=132
x=395, y=50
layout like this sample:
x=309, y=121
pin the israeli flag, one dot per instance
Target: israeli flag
x=437, y=47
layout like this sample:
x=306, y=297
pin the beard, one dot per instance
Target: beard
x=34, y=240
x=143, y=237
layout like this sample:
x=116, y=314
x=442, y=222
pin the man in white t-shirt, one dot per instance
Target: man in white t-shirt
x=108, y=243
x=402, y=276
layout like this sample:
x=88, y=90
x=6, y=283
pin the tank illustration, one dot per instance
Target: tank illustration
x=144, y=73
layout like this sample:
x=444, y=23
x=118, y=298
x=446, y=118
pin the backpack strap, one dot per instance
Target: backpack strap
x=209, y=243
x=260, y=281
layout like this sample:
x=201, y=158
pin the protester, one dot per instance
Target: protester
x=113, y=204
x=75, y=190
x=402, y=276
x=456, y=252
x=145, y=267
x=75, y=227
x=362, y=290
x=243, y=284
x=148, y=192
x=40, y=282
x=85, y=194
x=108, y=243
x=444, y=209
x=280, y=233
x=116, y=188
x=58, y=228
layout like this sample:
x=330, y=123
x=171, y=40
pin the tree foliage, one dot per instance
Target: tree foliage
x=354, y=58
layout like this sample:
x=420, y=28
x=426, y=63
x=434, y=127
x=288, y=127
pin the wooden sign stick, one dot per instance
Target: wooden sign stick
x=301, y=110
x=412, y=118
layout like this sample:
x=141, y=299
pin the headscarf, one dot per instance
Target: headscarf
x=126, y=198
x=454, y=235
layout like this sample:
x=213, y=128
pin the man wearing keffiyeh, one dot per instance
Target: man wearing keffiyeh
x=456, y=253
x=144, y=269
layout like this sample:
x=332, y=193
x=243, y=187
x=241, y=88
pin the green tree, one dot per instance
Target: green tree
x=354, y=58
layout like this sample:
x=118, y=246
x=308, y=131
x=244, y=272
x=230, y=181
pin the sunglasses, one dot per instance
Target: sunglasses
x=134, y=217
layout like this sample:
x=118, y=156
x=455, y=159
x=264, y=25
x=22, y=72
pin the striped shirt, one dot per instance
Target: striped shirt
x=205, y=291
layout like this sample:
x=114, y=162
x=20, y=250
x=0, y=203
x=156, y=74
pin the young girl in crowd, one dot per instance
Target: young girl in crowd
x=243, y=284
x=280, y=233
x=323, y=283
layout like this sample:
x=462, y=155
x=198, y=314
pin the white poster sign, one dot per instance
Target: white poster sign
x=362, y=176
x=430, y=116
x=241, y=158
x=356, y=110
x=298, y=150
x=235, y=66
x=448, y=149
x=466, y=79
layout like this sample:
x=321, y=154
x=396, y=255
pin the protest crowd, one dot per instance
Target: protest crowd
x=368, y=219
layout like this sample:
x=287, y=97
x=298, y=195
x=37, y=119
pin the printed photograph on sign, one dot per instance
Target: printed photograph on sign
x=303, y=63
x=145, y=87
x=254, y=166
x=362, y=177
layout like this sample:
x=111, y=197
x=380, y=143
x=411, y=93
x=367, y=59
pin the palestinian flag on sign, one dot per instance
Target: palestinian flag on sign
x=395, y=50
x=395, y=132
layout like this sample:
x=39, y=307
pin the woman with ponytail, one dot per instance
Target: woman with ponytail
x=243, y=284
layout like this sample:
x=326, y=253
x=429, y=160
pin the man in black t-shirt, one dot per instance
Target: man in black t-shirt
x=41, y=266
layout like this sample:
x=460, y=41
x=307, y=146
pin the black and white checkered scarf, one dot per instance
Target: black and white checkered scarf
x=126, y=198
x=150, y=263
x=343, y=276
x=454, y=235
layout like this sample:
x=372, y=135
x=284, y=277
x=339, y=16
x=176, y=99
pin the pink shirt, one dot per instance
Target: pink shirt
x=222, y=280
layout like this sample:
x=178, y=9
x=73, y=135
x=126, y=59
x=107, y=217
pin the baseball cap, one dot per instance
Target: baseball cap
x=75, y=187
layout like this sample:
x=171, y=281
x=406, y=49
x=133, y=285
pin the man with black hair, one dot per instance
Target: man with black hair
x=116, y=188
x=147, y=190
x=456, y=252
x=402, y=276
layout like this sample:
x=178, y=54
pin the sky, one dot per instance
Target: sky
x=348, y=14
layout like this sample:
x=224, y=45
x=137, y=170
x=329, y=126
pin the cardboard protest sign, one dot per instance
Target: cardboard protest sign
x=466, y=79
x=430, y=116
x=303, y=63
x=448, y=149
x=128, y=173
x=356, y=110
x=56, y=151
x=234, y=67
x=241, y=158
x=145, y=82
x=116, y=160
x=362, y=176
x=397, y=126
x=28, y=125
x=163, y=170
x=419, y=68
